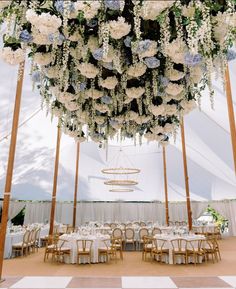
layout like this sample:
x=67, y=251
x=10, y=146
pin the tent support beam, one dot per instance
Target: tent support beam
x=76, y=184
x=188, y=203
x=54, y=190
x=165, y=186
x=10, y=164
x=231, y=114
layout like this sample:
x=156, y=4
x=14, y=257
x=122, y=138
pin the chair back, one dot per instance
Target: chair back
x=177, y=223
x=148, y=243
x=84, y=245
x=26, y=237
x=179, y=245
x=117, y=233
x=107, y=243
x=160, y=244
x=107, y=225
x=156, y=231
x=37, y=234
x=195, y=245
x=136, y=223
x=69, y=229
x=143, y=232
x=142, y=224
x=113, y=225
x=129, y=233
x=171, y=223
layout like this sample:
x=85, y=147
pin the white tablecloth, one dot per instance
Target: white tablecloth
x=71, y=243
x=14, y=238
x=169, y=238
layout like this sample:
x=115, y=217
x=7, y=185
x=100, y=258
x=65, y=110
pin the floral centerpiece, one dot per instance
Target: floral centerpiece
x=132, y=67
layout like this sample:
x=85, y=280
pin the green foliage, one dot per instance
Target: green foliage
x=218, y=218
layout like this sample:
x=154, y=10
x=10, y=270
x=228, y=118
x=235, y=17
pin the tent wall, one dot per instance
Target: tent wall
x=39, y=212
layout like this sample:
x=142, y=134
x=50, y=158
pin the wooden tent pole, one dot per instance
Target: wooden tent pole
x=186, y=176
x=165, y=185
x=10, y=165
x=76, y=184
x=231, y=114
x=54, y=190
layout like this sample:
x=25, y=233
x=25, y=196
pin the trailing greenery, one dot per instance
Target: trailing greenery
x=220, y=220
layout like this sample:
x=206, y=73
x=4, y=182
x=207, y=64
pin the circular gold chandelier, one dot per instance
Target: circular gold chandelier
x=121, y=183
x=121, y=171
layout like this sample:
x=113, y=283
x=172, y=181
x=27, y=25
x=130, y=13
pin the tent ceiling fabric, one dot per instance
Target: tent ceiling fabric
x=208, y=143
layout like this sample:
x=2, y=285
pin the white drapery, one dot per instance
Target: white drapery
x=15, y=208
x=39, y=212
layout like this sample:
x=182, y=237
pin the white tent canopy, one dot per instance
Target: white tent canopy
x=209, y=151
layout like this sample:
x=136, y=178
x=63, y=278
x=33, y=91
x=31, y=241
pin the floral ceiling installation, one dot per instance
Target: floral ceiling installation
x=109, y=67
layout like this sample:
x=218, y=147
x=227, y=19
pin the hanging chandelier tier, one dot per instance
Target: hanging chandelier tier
x=121, y=171
x=121, y=190
x=121, y=183
x=131, y=68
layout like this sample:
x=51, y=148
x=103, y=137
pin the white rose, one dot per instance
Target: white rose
x=156, y=109
x=89, y=8
x=134, y=92
x=119, y=28
x=176, y=50
x=175, y=75
x=136, y=70
x=93, y=93
x=109, y=82
x=88, y=70
x=72, y=105
x=174, y=89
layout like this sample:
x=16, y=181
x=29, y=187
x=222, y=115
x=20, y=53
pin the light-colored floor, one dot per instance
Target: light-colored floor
x=132, y=265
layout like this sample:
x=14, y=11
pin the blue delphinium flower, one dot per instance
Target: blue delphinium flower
x=98, y=54
x=112, y=4
x=92, y=23
x=106, y=99
x=82, y=86
x=231, y=55
x=60, y=38
x=127, y=41
x=143, y=46
x=25, y=36
x=152, y=62
x=164, y=80
x=59, y=5
x=36, y=76
x=113, y=122
x=192, y=59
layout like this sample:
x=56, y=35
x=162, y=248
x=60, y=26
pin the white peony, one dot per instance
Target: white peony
x=66, y=97
x=136, y=70
x=157, y=129
x=93, y=93
x=103, y=108
x=119, y=28
x=52, y=72
x=12, y=57
x=134, y=92
x=82, y=116
x=109, y=83
x=88, y=7
x=143, y=119
x=174, y=89
x=151, y=51
x=174, y=75
x=169, y=128
x=176, y=50
x=45, y=22
x=88, y=70
x=79, y=139
x=43, y=58
x=92, y=43
x=170, y=109
x=152, y=9
x=76, y=53
x=188, y=105
x=131, y=115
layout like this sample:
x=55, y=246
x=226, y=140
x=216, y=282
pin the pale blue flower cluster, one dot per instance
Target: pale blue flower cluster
x=192, y=59
x=152, y=62
x=231, y=55
x=25, y=36
x=59, y=5
x=163, y=80
x=98, y=54
x=143, y=46
x=112, y=4
x=106, y=99
x=108, y=65
x=127, y=41
x=36, y=76
x=59, y=39
x=82, y=86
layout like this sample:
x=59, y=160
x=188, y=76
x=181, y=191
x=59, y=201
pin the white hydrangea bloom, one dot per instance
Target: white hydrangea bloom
x=119, y=28
x=12, y=57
